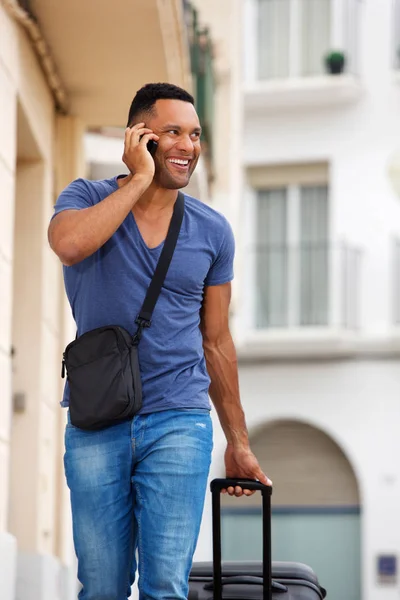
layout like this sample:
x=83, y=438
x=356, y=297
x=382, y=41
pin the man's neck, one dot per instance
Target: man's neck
x=154, y=198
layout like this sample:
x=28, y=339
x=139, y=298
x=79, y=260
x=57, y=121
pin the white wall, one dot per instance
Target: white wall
x=355, y=403
x=30, y=320
x=358, y=139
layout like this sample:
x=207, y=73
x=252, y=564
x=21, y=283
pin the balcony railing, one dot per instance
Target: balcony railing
x=201, y=59
x=309, y=285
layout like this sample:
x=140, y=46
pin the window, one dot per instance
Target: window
x=292, y=256
x=274, y=38
x=396, y=34
x=272, y=254
x=313, y=255
x=293, y=37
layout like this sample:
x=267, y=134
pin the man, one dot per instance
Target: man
x=141, y=484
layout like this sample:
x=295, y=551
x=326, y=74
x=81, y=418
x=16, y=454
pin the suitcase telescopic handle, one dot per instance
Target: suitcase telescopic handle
x=250, y=484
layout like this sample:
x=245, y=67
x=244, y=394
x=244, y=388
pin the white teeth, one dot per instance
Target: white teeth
x=179, y=162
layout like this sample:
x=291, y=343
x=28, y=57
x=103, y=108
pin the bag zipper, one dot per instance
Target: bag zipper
x=118, y=335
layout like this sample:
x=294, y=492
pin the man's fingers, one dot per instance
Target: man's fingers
x=137, y=136
x=235, y=491
x=264, y=479
x=242, y=491
x=147, y=137
x=128, y=133
x=133, y=134
x=238, y=491
x=136, y=127
x=143, y=131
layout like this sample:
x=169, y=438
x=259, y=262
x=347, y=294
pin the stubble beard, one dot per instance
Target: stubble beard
x=166, y=180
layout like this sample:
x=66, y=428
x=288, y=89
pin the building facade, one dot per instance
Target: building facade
x=316, y=212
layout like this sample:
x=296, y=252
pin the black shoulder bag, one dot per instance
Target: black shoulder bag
x=103, y=365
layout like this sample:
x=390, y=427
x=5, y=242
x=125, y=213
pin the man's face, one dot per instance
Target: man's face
x=177, y=125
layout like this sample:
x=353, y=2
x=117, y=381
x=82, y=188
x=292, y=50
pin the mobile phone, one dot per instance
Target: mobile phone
x=151, y=146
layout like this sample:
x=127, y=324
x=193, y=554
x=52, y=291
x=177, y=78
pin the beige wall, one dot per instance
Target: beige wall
x=35, y=312
x=224, y=19
x=8, y=117
x=33, y=317
x=69, y=164
x=225, y=27
x=40, y=153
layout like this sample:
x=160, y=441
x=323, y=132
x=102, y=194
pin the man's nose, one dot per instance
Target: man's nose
x=185, y=144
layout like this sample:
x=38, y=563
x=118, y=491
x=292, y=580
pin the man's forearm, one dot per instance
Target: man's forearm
x=224, y=389
x=75, y=235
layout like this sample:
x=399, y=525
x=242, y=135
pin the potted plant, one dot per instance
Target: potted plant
x=335, y=62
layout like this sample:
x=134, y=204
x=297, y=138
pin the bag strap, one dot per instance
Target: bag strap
x=143, y=319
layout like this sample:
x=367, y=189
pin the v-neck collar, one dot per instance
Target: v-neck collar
x=114, y=184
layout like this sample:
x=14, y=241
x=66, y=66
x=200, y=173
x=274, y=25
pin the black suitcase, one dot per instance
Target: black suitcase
x=250, y=580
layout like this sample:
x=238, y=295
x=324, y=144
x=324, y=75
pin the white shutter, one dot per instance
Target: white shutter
x=314, y=256
x=396, y=34
x=271, y=259
x=352, y=27
x=273, y=38
x=315, y=35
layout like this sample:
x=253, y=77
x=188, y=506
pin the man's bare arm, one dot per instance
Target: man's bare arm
x=76, y=234
x=221, y=362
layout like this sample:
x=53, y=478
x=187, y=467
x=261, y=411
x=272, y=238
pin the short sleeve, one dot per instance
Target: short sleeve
x=74, y=197
x=221, y=271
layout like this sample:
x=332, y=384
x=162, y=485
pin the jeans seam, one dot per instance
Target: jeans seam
x=143, y=425
x=132, y=549
x=141, y=561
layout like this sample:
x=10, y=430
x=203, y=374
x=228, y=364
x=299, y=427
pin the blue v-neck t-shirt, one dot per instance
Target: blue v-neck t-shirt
x=108, y=288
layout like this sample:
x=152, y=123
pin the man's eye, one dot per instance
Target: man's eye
x=174, y=131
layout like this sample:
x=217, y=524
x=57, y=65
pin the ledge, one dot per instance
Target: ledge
x=317, y=344
x=286, y=94
x=310, y=343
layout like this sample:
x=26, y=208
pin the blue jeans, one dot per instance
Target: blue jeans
x=139, y=485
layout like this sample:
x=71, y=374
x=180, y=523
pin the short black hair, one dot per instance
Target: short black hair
x=148, y=95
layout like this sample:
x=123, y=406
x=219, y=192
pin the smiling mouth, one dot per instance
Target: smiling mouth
x=181, y=164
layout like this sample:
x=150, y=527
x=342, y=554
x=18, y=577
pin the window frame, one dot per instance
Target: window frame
x=296, y=49
x=297, y=176
x=345, y=23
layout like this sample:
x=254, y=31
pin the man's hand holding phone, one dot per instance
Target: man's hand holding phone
x=136, y=154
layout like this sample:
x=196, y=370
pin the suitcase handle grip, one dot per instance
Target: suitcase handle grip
x=249, y=484
x=266, y=490
x=246, y=580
